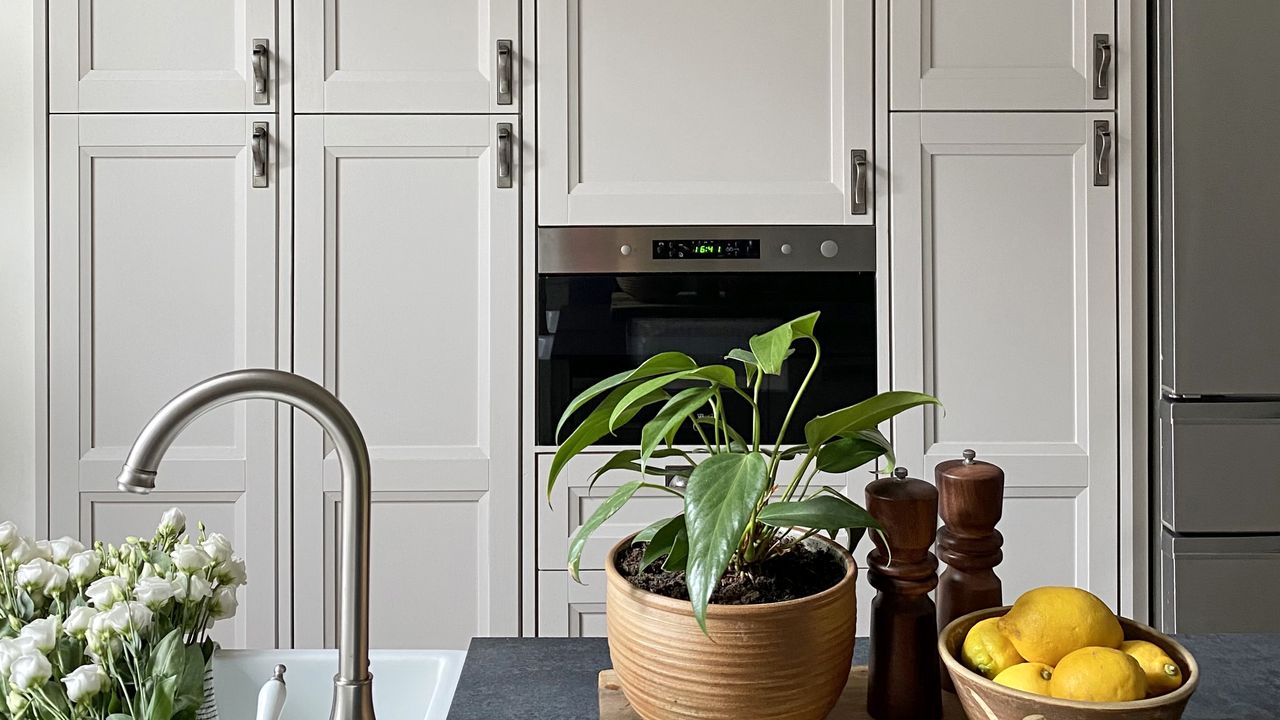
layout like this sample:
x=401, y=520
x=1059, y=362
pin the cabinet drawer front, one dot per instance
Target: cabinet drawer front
x=1196, y=571
x=570, y=609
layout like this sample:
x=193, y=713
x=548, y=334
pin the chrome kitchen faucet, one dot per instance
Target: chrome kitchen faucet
x=353, y=685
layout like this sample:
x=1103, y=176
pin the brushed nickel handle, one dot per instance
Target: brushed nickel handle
x=1101, y=66
x=504, y=72
x=505, y=155
x=261, y=71
x=1102, y=156
x=261, y=154
x=858, y=206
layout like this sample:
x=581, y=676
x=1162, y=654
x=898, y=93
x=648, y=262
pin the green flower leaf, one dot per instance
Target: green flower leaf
x=659, y=364
x=595, y=427
x=771, y=348
x=663, y=540
x=846, y=453
x=672, y=415
x=866, y=415
x=716, y=374
x=822, y=512
x=606, y=510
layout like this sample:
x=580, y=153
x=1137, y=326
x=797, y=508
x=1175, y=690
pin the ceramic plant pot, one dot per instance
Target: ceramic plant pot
x=777, y=661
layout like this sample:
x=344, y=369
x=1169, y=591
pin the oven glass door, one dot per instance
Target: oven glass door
x=592, y=326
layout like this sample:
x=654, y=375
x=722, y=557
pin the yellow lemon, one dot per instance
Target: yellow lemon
x=1047, y=623
x=1098, y=674
x=986, y=651
x=1027, y=677
x=1163, y=674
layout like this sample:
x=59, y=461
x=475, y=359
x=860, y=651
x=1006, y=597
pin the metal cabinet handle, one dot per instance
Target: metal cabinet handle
x=1101, y=66
x=505, y=155
x=261, y=154
x=504, y=72
x=261, y=71
x=858, y=206
x=1102, y=153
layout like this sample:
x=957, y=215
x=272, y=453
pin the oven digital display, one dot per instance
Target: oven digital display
x=706, y=249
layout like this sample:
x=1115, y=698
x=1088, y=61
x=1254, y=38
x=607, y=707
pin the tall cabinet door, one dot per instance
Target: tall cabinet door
x=1002, y=54
x=407, y=56
x=162, y=272
x=670, y=112
x=148, y=56
x=405, y=307
x=1004, y=306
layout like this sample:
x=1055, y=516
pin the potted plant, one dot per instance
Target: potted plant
x=767, y=628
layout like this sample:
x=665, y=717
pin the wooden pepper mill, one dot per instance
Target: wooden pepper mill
x=971, y=494
x=904, y=680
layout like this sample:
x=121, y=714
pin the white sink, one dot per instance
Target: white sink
x=407, y=684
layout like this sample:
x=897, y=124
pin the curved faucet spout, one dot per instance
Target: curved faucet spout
x=353, y=685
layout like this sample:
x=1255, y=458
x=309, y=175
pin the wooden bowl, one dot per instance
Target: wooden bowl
x=984, y=700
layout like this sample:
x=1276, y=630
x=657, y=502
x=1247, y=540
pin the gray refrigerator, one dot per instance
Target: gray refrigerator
x=1216, y=244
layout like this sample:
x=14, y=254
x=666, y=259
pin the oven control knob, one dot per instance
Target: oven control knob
x=786, y=248
x=625, y=249
x=829, y=248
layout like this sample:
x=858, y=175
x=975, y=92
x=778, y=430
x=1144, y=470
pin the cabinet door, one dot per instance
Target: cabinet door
x=406, y=305
x=713, y=112
x=148, y=56
x=407, y=56
x=1004, y=306
x=1002, y=54
x=162, y=272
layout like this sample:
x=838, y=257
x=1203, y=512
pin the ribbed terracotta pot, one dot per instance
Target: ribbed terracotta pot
x=776, y=661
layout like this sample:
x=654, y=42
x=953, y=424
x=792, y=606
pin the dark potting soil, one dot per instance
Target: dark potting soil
x=799, y=573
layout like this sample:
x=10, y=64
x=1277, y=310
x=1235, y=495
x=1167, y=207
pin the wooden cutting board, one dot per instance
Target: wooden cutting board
x=852, y=705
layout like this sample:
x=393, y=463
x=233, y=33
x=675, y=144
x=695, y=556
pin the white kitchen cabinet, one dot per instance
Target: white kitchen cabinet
x=571, y=609
x=1002, y=54
x=406, y=56
x=407, y=247
x=1004, y=306
x=162, y=271
x=147, y=56
x=732, y=112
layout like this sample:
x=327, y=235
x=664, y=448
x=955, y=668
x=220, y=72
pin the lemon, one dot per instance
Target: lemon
x=1163, y=674
x=1027, y=677
x=1047, y=623
x=986, y=651
x=1098, y=674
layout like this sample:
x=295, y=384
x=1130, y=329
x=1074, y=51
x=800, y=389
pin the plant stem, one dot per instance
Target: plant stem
x=698, y=426
x=817, y=355
x=755, y=414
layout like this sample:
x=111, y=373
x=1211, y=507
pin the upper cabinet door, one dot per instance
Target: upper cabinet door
x=711, y=112
x=159, y=56
x=1002, y=54
x=407, y=56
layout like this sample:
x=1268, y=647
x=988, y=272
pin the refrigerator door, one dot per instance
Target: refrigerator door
x=1219, y=585
x=1219, y=212
x=1218, y=469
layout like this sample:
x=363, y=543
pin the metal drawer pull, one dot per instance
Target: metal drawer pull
x=504, y=72
x=261, y=154
x=505, y=151
x=1102, y=158
x=1101, y=66
x=859, y=203
x=261, y=71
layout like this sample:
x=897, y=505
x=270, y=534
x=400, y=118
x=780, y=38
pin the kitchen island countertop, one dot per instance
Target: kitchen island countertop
x=555, y=678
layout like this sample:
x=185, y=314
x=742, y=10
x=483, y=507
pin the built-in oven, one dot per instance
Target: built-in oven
x=610, y=297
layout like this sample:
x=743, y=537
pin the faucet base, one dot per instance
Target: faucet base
x=352, y=700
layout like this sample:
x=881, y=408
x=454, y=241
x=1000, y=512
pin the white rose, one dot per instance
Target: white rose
x=43, y=634
x=191, y=589
x=30, y=671
x=225, y=603
x=218, y=547
x=33, y=574
x=13, y=648
x=105, y=592
x=128, y=618
x=79, y=621
x=232, y=572
x=22, y=550
x=84, y=565
x=190, y=559
x=8, y=534
x=153, y=591
x=63, y=548
x=57, y=580
x=173, y=520
x=44, y=549
x=84, y=682
x=102, y=638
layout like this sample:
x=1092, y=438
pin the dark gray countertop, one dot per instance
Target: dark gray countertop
x=555, y=678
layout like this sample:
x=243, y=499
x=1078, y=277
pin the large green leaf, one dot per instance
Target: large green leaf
x=722, y=493
x=662, y=541
x=679, y=554
x=846, y=453
x=606, y=510
x=659, y=364
x=663, y=426
x=716, y=374
x=627, y=460
x=822, y=512
x=771, y=348
x=596, y=426
x=866, y=415
x=646, y=535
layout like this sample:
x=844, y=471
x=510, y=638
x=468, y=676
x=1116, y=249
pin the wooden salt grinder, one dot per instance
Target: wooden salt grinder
x=971, y=495
x=904, y=675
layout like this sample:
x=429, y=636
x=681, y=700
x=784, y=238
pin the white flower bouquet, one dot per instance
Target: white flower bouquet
x=112, y=633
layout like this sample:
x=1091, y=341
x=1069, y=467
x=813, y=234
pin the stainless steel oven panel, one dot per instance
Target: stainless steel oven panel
x=801, y=248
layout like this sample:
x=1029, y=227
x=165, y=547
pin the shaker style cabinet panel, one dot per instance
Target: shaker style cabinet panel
x=162, y=272
x=1002, y=54
x=407, y=244
x=407, y=56
x=1004, y=306
x=713, y=112
x=147, y=56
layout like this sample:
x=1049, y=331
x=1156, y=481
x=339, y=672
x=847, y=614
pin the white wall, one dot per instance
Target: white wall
x=17, y=266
